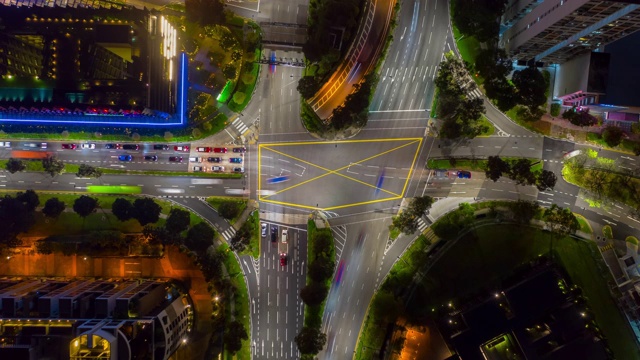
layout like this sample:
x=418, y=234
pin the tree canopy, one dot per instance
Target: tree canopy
x=531, y=87
x=200, y=237
x=146, y=211
x=178, y=220
x=15, y=165
x=85, y=205
x=310, y=340
x=85, y=170
x=53, y=208
x=122, y=209
x=52, y=165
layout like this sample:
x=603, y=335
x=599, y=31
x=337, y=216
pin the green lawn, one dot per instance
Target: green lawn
x=255, y=236
x=313, y=314
x=626, y=145
x=247, y=89
x=632, y=240
x=607, y=232
x=473, y=164
x=490, y=128
x=584, y=224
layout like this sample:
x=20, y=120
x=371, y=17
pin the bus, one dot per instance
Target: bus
x=29, y=154
x=114, y=189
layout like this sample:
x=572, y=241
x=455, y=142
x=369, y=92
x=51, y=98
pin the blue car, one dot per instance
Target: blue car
x=125, y=157
x=464, y=174
x=236, y=160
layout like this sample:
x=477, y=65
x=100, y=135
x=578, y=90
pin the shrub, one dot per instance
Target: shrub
x=555, y=109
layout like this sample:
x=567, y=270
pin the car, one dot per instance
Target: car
x=43, y=145
x=183, y=148
x=36, y=145
x=339, y=272
x=199, y=168
x=195, y=159
x=238, y=170
x=263, y=226
x=274, y=233
x=131, y=147
x=111, y=146
x=5, y=144
x=88, y=146
x=203, y=149
x=220, y=150
x=69, y=146
x=239, y=150
x=160, y=147
x=125, y=158
x=151, y=158
x=464, y=174
x=217, y=168
x=214, y=159
x=235, y=160
x=283, y=259
x=175, y=158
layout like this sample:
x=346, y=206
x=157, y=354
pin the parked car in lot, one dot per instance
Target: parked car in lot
x=239, y=150
x=160, y=147
x=195, y=159
x=88, y=146
x=175, y=158
x=112, y=146
x=220, y=150
x=236, y=160
x=238, y=169
x=263, y=226
x=69, y=146
x=214, y=159
x=151, y=158
x=5, y=144
x=464, y=174
x=274, y=233
x=131, y=147
x=217, y=168
x=203, y=149
x=125, y=158
x=199, y=168
x=183, y=148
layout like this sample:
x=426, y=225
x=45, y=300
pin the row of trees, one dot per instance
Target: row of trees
x=460, y=115
x=407, y=221
x=53, y=166
x=311, y=340
x=519, y=170
x=145, y=210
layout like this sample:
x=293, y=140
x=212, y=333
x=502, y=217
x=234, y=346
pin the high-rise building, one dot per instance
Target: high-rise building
x=554, y=31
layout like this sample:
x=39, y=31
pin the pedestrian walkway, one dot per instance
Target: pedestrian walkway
x=240, y=126
x=421, y=225
x=229, y=233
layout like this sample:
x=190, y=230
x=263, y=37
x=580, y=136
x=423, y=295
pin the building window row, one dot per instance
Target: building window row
x=562, y=2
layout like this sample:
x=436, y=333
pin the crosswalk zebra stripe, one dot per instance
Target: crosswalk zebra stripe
x=421, y=225
x=228, y=234
x=242, y=128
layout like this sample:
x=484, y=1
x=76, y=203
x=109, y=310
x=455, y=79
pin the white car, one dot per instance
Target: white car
x=88, y=146
x=264, y=229
x=199, y=168
x=217, y=168
x=5, y=144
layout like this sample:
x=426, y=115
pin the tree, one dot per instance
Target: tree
x=420, y=205
x=52, y=165
x=239, y=97
x=205, y=12
x=612, y=135
x=146, y=211
x=29, y=198
x=229, y=209
x=493, y=63
x=15, y=165
x=314, y=293
x=502, y=92
x=85, y=205
x=386, y=307
x=178, y=220
x=53, y=208
x=310, y=340
x=199, y=237
x=496, y=167
x=88, y=171
x=122, y=209
x=524, y=211
x=321, y=269
x=322, y=244
x=307, y=86
x=229, y=72
x=560, y=221
x=521, y=173
x=16, y=218
x=405, y=222
x=531, y=87
x=546, y=180
x=234, y=336
x=211, y=264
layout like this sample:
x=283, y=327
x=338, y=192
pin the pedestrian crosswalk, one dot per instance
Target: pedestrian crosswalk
x=421, y=225
x=240, y=126
x=474, y=94
x=228, y=234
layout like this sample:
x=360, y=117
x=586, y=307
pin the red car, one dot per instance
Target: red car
x=220, y=150
x=283, y=259
x=69, y=146
x=175, y=158
x=184, y=148
x=203, y=149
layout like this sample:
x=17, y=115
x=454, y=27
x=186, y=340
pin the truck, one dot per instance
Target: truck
x=283, y=247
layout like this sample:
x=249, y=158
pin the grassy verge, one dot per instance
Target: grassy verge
x=241, y=310
x=584, y=224
x=541, y=127
x=216, y=201
x=310, y=119
x=607, y=232
x=490, y=129
x=473, y=164
x=313, y=314
x=434, y=104
x=632, y=239
x=254, y=243
x=246, y=89
x=613, y=191
x=626, y=145
x=394, y=233
x=468, y=46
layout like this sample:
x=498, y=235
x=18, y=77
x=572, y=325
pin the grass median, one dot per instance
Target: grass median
x=241, y=311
